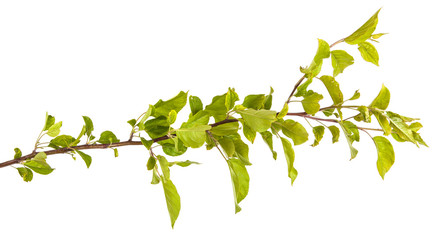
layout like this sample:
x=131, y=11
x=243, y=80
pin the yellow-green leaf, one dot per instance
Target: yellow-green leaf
x=365, y=31
x=289, y=154
x=333, y=89
x=340, y=60
x=173, y=199
x=240, y=181
x=385, y=155
x=369, y=52
x=258, y=120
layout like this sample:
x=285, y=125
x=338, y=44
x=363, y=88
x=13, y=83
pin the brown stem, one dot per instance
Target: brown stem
x=98, y=146
x=294, y=88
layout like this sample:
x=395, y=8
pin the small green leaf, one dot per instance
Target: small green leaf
x=283, y=112
x=86, y=158
x=25, y=173
x=183, y=163
x=89, y=125
x=164, y=166
x=50, y=120
x=196, y=104
x=369, y=52
x=172, y=150
x=157, y=127
x=151, y=163
x=62, y=141
x=227, y=145
x=173, y=200
x=268, y=139
x=383, y=122
x=385, y=155
x=315, y=67
x=108, y=137
x=302, y=89
x=378, y=35
x=116, y=152
x=382, y=99
x=146, y=143
x=364, y=114
x=258, y=120
x=310, y=103
x=248, y=132
x=268, y=100
x=333, y=89
x=240, y=181
x=132, y=122
x=146, y=115
x=155, y=178
x=364, y=32
x=231, y=98
x=349, y=135
x=193, y=137
x=290, y=157
x=225, y=129
x=54, y=130
x=17, y=153
x=340, y=60
x=401, y=128
x=217, y=108
x=241, y=151
x=41, y=156
x=201, y=118
x=254, y=101
x=295, y=131
x=335, y=133
x=38, y=166
x=163, y=108
x=172, y=117
x=318, y=131
x=355, y=96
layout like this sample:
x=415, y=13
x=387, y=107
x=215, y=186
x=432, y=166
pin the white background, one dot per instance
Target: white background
x=110, y=59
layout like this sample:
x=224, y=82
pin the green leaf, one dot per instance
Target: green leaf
x=349, y=135
x=268, y=139
x=157, y=127
x=302, y=89
x=146, y=115
x=318, y=131
x=283, y=112
x=174, y=150
x=17, y=153
x=364, y=114
x=89, y=125
x=241, y=151
x=25, y=173
x=108, y=137
x=258, y=120
x=401, y=128
x=54, y=130
x=254, y=101
x=333, y=89
x=231, y=98
x=163, y=108
x=155, y=178
x=50, y=120
x=378, y=35
x=369, y=52
x=290, y=157
x=132, y=122
x=225, y=129
x=173, y=200
x=364, y=32
x=240, y=181
x=86, y=158
x=248, y=132
x=268, y=100
x=335, y=133
x=116, y=152
x=41, y=156
x=164, y=166
x=383, y=121
x=340, y=60
x=172, y=117
x=194, y=136
x=382, y=99
x=352, y=130
x=315, y=67
x=62, y=141
x=310, y=103
x=151, y=163
x=385, y=155
x=183, y=163
x=146, y=143
x=38, y=166
x=419, y=139
x=201, y=118
x=227, y=145
x=196, y=104
x=295, y=131
x=217, y=108
x=355, y=96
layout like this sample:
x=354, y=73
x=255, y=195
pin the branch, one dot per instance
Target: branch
x=98, y=146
